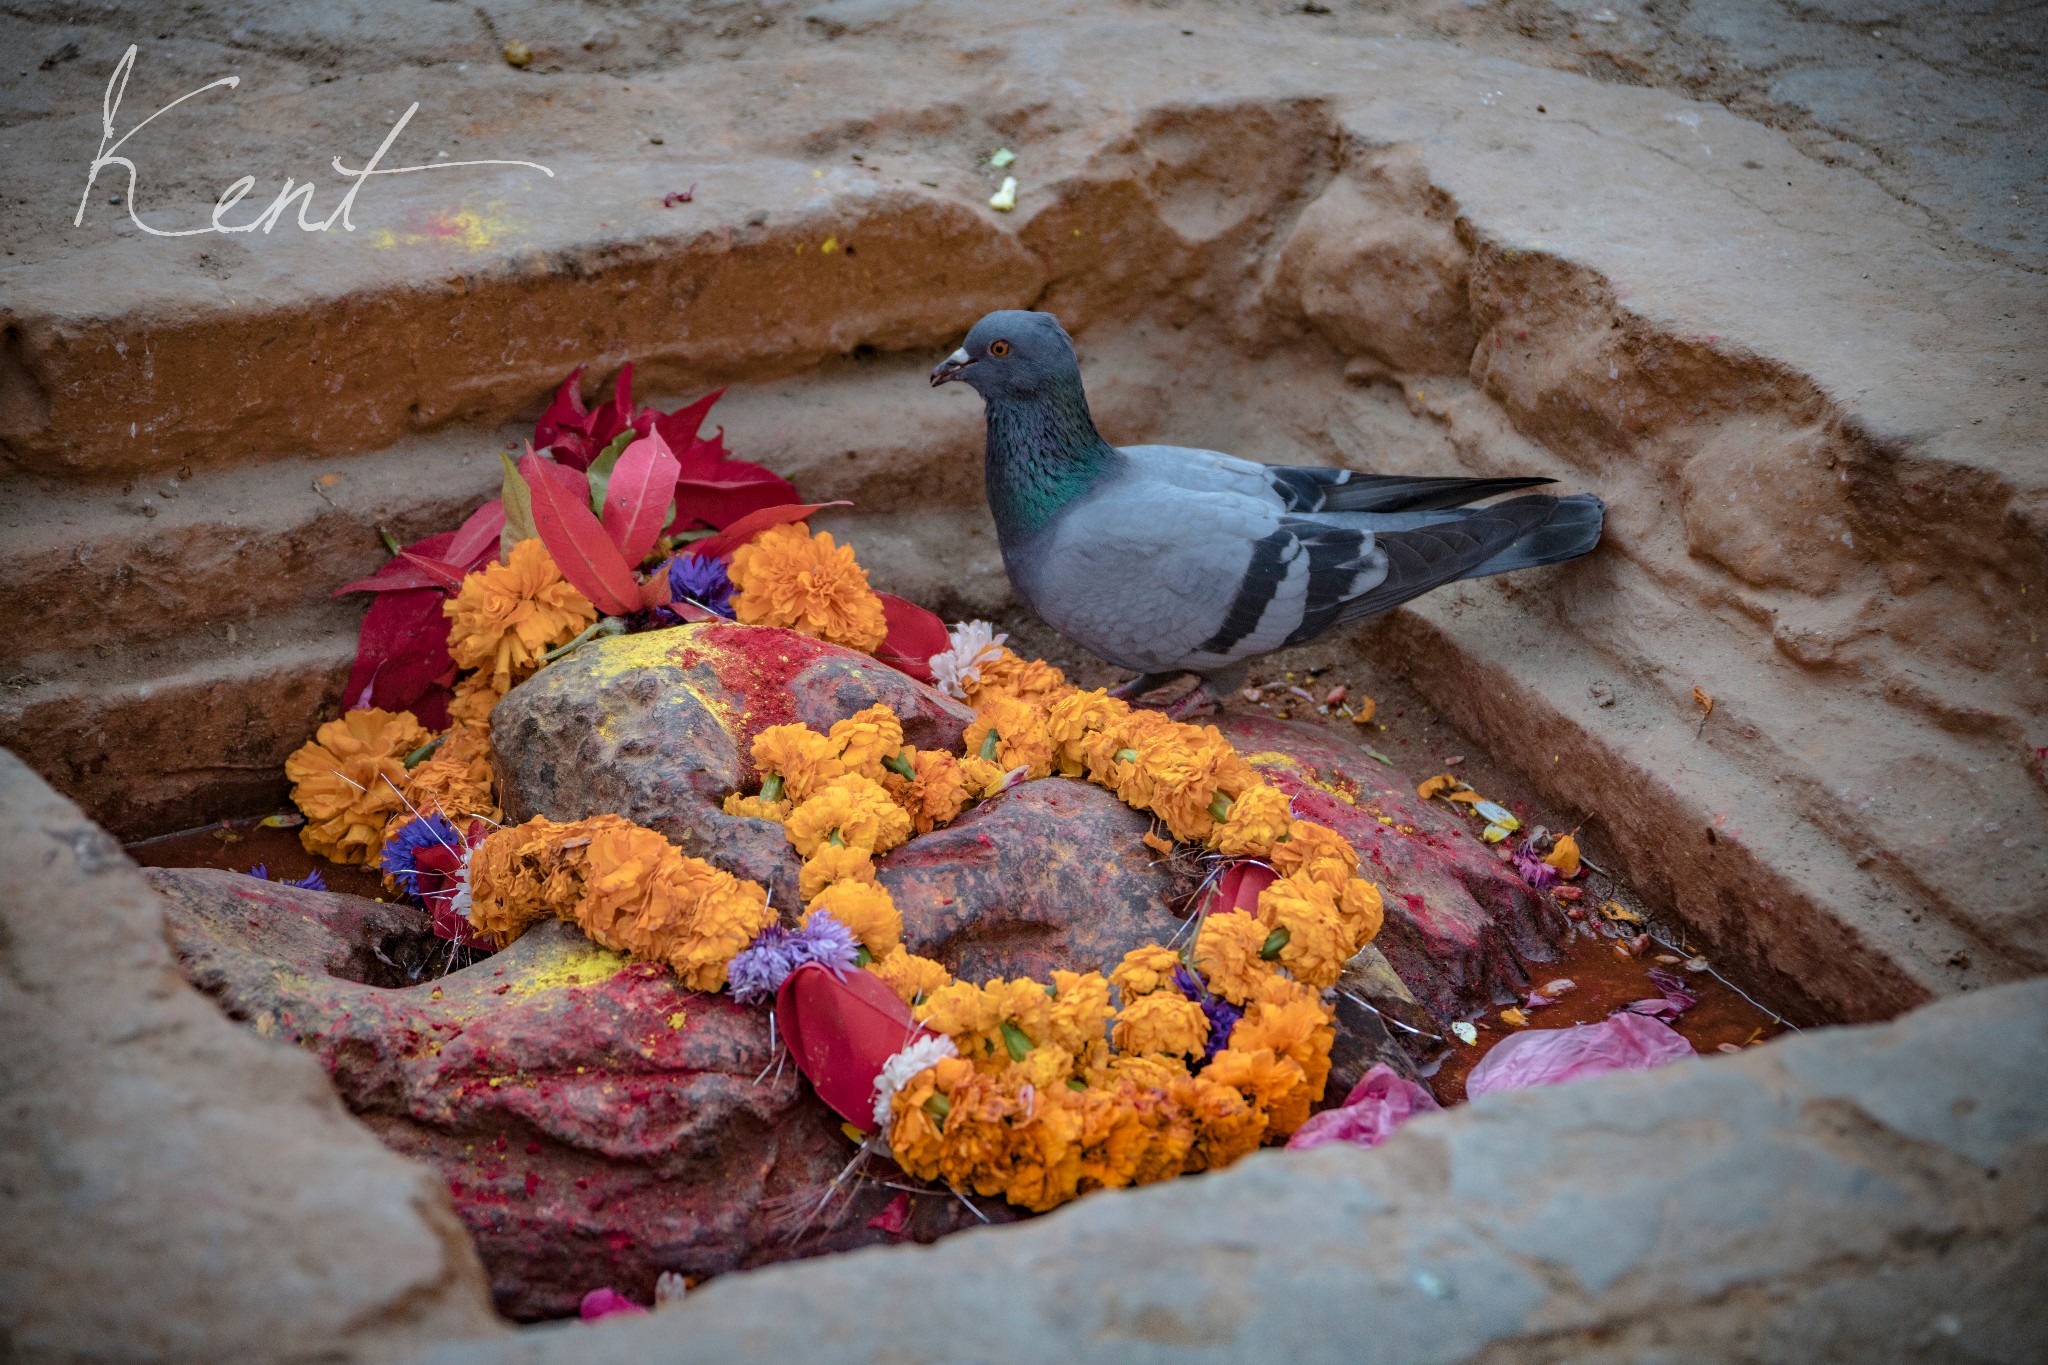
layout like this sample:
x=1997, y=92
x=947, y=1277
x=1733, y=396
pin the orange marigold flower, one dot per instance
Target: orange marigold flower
x=507, y=615
x=1227, y=955
x=912, y=977
x=1075, y=721
x=1318, y=850
x=936, y=795
x=801, y=757
x=1144, y=1070
x=517, y=878
x=1161, y=1022
x=1259, y=817
x=754, y=808
x=1044, y=1067
x=1144, y=970
x=855, y=809
x=1226, y=1124
x=1028, y=680
x=1363, y=912
x=916, y=1140
x=1187, y=781
x=834, y=863
x=1300, y=1030
x=993, y=1023
x=1012, y=734
x=787, y=577
x=475, y=695
x=982, y=778
x=457, y=780
x=1317, y=939
x=347, y=780
x=867, y=737
x=1080, y=1010
x=867, y=910
x=1275, y=1085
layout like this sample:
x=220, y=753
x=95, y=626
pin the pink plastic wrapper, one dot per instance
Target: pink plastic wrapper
x=1623, y=1042
x=1376, y=1106
x=602, y=1303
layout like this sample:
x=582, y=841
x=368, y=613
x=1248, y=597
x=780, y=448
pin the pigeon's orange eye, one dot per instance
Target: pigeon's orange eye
x=999, y=349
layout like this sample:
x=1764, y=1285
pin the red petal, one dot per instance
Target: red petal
x=440, y=571
x=636, y=499
x=914, y=636
x=753, y=524
x=894, y=1215
x=1239, y=887
x=576, y=539
x=402, y=648
x=657, y=591
x=679, y=428
x=840, y=1031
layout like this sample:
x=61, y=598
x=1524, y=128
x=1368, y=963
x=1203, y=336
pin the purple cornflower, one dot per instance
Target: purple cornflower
x=402, y=848
x=759, y=970
x=312, y=881
x=702, y=579
x=1534, y=870
x=1223, y=1015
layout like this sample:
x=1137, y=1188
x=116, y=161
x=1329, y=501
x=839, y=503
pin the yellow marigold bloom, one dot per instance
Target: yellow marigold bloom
x=1300, y=1030
x=1318, y=850
x=1161, y=1022
x=475, y=695
x=852, y=807
x=1144, y=970
x=959, y=1010
x=1363, y=912
x=1073, y=722
x=834, y=863
x=1080, y=1011
x=804, y=759
x=1107, y=735
x=1275, y=1085
x=867, y=910
x=508, y=615
x=1318, y=938
x=517, y=878
x=1144, y=1070
x=936, y=795
x=867, y=737
x=1259, y=817
x=915, y=1137
x=787, y=577
x=457, y=780
x=1226, y=1124
x=912, y=977
x=1045, y=1157
x=754, y=808
x=1227, y=955
x=1044, y=1067
x=347, y=781
x=977, y=1149
x=1280, y=989
x=1168, y=1129
x=982, y=777
x=993, y=1022
x=1113, y=1137
x=1028, y=680
x=1020, y=737
x=1185, y=781
x=1564, y=856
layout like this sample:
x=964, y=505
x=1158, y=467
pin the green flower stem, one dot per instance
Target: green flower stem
x=901, y=765
x=938, y=1106
x=862, y=957
x=424, y=752
x=1219, y=807
x=1127, y=755
x=1014, y=1041
x=604, y=625
x=771, y=790
x=988, y=744
x=390, y=542
x=1275, y=941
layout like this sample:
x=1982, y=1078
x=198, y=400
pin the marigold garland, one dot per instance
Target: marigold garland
x=787, y=577
x=349, y=781
x=508, y=615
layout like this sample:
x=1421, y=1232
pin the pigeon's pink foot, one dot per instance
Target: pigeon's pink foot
x=1143, y=684
x=1195, y=703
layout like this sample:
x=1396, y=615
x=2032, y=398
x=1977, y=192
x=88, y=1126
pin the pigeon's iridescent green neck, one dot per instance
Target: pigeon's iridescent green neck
x=1043, y=453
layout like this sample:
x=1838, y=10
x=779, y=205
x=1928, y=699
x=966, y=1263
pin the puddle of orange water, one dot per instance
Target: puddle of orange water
x=238, y=845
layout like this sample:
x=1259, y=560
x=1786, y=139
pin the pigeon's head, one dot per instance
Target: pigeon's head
x=1012, y=354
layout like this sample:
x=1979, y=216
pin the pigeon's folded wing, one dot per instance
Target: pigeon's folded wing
x=1305, y=488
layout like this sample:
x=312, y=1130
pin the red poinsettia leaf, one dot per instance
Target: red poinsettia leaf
x=914, y=636
x=475, y=543
x=398, y=573
x=841, y=1029
x=566, y=419
x=753, y=524
x=576, y=539
x=657, y=591
x=611, y=417
x=679, y=428
x=443, y=573
x=401, y=650
x=1239, y=886
x=690, y=611
x=636, y=499
x=719, y=503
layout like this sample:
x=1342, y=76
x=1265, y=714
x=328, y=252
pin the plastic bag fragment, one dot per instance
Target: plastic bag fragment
x=1622, y=1042
x=1376, y=1106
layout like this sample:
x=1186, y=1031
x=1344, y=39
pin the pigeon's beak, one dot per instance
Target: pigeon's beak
x=950, y=367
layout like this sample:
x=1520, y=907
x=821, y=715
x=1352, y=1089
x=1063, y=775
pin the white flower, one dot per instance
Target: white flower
x=897, y=1071
x=974, y=643
x=669, y=1289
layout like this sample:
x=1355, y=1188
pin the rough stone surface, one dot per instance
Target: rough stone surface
x=1853, y=1195
x=176, y=1188
x=595, y=1123
x=659, y=728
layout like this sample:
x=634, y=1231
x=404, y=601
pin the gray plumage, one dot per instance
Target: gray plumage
x=1170, y=560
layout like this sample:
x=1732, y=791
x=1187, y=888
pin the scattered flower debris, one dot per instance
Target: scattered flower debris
x=674, y=197
x=1005, y=199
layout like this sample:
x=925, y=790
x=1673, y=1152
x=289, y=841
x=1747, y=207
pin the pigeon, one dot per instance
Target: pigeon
x=1167, y=560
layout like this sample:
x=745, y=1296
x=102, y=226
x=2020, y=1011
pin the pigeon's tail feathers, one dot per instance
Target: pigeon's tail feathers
x=1573, y=530
x=1431, y=556
x=1402, y=493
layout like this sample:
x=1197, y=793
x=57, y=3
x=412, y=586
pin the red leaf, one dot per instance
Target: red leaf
x=753, y=524
x=636, y=498
x=721, y=501
x=840, y=1031
x=894, y=1215
x=914, y=636
x=475, y=543
x=1239, y=887
x=690, y=611
x=441, y=571
x=399, y=574
x=657, y=591
x=576, y=539
x=679, y=428
x=565, y=413
x=402, y=649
